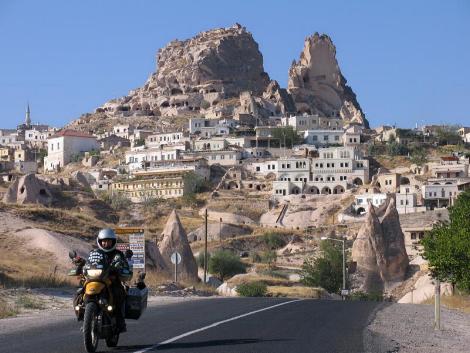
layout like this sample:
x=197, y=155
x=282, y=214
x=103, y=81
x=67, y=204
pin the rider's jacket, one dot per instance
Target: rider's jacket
x=115, y=257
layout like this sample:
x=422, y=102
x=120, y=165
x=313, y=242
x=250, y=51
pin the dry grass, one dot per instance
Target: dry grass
x=458, y=302
x=393, y=162
x=61, y=221
x=6, y=309
x=254, y=277
x=295, y=292
x=29, y=302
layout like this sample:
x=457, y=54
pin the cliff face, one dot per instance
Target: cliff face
x=220, y=73
x=317, y=85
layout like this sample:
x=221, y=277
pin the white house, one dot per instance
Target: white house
x=137, y=157
x=440, y=192
x=450, y=167
x=161, y=139
x=66, y=144
x=123, y=130
x=361, y=201
x=323, y=137
x=312, y=122
x=210, y=144
x=332, y=172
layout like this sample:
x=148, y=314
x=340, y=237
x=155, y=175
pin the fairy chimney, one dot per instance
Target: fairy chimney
x=175, y=239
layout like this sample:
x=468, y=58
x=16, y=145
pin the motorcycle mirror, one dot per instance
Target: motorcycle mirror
x=72, y=254
x=129, y=253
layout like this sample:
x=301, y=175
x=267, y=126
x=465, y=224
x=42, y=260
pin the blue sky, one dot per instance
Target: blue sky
x=407, y=61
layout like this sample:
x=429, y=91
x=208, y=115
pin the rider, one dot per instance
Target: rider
x=106, y=242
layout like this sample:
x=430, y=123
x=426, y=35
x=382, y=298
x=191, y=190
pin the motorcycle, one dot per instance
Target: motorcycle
x=93, y=303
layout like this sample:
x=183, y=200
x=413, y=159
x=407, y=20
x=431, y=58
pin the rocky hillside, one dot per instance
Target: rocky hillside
x=220, y=72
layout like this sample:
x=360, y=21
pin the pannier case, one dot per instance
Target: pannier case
x=136, y=302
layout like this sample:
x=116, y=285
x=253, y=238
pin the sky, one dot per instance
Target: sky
x=407, y=61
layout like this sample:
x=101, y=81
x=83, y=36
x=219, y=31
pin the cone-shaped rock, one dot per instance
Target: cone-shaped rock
x=379, y=250
x=175, y=239
x=395, y=257
x=364, y=252
x=28, y=189
x=154, y=258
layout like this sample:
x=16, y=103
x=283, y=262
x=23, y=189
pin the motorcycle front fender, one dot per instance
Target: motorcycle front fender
x=94, y=288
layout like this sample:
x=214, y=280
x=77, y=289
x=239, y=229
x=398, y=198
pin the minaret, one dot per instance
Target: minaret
x=27, y=120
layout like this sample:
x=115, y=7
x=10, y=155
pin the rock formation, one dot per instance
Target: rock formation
x=317, y=85
x=28, y=189
x=175, y=239
x=379, y=250
x=196, y=74
x=220, y=73
x=154, y=258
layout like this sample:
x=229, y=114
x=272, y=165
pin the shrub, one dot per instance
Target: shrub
x=254, y=289
x=205, y=104
x=269, y=257
x=6, y=309
x=119, y=201
x=363, y=296
x=225, y=264
x=274, y=240
x=325, y=271
x=396, y=149
x=256, y=257
x=200, y=259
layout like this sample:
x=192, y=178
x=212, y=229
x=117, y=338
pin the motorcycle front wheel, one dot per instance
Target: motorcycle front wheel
x=90, y=327
x=113, y=340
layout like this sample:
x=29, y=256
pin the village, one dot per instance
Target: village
x=237, y=187
x=298, y=172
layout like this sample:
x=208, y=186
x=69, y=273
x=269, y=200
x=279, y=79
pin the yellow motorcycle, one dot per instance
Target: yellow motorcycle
x=94, y=303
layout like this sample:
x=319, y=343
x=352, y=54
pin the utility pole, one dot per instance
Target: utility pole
x=344, y=269
x=205, y=249
x=437, y=305
x=176, y=270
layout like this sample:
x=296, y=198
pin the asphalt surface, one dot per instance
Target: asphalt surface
x=249, y=325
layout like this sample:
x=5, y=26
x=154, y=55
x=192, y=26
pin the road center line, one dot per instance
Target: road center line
x=189, y=333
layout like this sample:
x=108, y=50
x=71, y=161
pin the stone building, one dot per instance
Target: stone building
x=65, y=145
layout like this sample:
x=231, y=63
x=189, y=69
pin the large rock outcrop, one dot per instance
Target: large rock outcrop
x=317, y=85
x=28, y=189
x=175, y=239
x=197, y=73
x=220, y=73
x=379, y=250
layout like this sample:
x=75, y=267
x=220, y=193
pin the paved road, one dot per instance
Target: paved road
x=218, y=325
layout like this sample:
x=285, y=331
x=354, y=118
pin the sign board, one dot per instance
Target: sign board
x=175, y=258
x=136, y=244
x=344, y=292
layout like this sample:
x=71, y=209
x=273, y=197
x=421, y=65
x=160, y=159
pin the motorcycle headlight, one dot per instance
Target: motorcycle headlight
x=94, y=273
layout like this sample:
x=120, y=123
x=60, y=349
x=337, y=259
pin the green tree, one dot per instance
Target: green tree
x=419, y=156
x=325, y=271
x=396, y=149
x=225, y=264
x=448, y=135
x=447, y=245
x=287, y=134
x=274, y=240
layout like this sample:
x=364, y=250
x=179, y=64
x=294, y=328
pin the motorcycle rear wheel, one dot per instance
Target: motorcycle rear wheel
x=90, y=328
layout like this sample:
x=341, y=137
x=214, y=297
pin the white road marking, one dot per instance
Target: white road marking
x=189, y=333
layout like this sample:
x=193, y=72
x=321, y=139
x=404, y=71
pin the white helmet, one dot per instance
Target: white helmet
x=106, y=233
